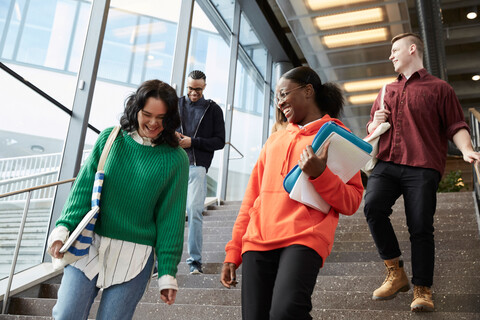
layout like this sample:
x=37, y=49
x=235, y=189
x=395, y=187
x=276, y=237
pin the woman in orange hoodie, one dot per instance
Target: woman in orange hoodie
x=281, y=242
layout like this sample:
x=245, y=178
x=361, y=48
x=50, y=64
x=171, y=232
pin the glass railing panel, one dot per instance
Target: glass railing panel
x=32, y=136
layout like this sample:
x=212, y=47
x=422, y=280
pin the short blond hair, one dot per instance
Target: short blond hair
x=414, y=39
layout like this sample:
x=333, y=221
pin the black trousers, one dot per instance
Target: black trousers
x=278, y=284
x=418, y=186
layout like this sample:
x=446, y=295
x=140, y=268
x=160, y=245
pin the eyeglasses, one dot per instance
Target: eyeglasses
x=197, y=90
x=283, y=95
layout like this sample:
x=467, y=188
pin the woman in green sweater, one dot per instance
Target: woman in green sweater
x=142, y=212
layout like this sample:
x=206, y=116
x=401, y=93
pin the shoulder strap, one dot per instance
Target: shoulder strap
x=106, y=148
x=382, y=105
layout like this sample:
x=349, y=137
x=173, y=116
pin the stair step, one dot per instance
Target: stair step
x=363, y=246
x=444, y=285
x=361, y=268
x=344, y=285
x=17, y=317
x=356, y=228
x=154, y=312
x=440, y=235
x=344, y=300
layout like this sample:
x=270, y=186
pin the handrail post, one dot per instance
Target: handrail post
x=15, y=255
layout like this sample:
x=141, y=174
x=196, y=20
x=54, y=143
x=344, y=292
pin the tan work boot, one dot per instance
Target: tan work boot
x=395, y=282
x=422, y=299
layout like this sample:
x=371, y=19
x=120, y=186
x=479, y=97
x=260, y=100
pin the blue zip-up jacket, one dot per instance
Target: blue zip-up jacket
x=203, y=122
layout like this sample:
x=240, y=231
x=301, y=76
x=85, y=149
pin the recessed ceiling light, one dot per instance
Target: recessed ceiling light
x=476, y=77
x=472, y=13
x=356, y=38
x=349, y=19
x=365, y=85
x=326, y=4
x=363, y=98
x=37, y=149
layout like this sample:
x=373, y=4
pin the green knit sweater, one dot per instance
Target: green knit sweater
x=143, y=196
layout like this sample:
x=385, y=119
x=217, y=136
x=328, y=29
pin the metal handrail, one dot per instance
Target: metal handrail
x=475, y=135
x=8, y=194
x=42, y=93
x=20, y=233
x=241, y=155
x=475, y=113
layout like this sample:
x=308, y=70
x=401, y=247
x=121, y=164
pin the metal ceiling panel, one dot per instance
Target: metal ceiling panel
x=358, y=62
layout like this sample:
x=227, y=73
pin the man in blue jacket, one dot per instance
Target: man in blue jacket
x=201, y=133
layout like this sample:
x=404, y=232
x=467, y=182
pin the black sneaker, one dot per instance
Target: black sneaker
x=196, y=268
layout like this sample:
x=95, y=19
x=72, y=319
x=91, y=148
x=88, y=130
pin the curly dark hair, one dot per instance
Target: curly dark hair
x=328, y=96
x=136, y=101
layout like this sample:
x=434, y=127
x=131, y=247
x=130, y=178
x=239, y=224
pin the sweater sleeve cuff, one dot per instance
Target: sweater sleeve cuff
x=167, y=282
x=233, y=256
x=327, y=175
x=59, y=233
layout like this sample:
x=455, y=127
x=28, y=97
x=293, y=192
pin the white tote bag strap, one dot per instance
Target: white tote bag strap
x=382, y=105
x=107, y=147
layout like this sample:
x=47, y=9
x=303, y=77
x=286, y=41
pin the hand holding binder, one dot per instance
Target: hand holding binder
x=347, y=154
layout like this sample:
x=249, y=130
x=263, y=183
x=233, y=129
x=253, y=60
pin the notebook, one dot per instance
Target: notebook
x=78, y=230
x=347, y=154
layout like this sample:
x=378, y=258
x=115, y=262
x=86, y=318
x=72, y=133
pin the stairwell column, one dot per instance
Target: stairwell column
x=232, y=71
x=87, y=76
x=429, y=20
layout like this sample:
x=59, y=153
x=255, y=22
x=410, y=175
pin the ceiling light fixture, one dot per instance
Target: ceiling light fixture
x=366, y=85
x=472, y=13
x=363, y=98
x=37, y=148
x=355, y=38
x=353, y=18
x=327, y=4
x=476, y=77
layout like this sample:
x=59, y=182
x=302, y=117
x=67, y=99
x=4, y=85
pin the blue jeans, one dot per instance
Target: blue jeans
x=77, y=293
x=197, y=191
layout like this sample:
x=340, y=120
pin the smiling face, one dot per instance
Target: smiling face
x=150, y=118
x=195, y=88
x=292, y=101
x=402, y=54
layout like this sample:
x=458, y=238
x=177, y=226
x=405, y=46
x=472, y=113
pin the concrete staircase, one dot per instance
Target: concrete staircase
x=344, y=285
x=31, y=248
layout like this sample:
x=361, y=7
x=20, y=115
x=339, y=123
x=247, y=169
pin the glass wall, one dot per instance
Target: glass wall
x=32, y=134
x=252, y=46
x=209, y=53
x=43, y=41
x=139, y=45
x=246, y=134
x=247, y=120
x=225, y=9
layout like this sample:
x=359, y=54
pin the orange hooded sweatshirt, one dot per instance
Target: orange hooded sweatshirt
x=268, y=219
